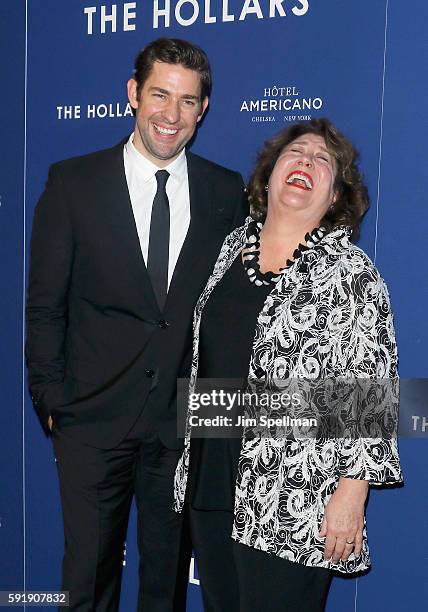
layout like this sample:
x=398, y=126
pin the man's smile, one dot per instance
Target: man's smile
x=164, y=131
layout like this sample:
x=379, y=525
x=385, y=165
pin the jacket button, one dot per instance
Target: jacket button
x=150, y=373
x=259, y=372
x=163, y=324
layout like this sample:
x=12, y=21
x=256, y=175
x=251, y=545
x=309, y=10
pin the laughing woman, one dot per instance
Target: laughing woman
x=289, y=294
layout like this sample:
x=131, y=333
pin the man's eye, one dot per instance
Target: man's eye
x=189, y=103
x=159, y=95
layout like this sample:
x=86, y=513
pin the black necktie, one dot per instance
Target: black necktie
x=157, y=260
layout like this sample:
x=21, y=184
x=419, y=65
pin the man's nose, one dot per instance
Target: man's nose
x=171, y=111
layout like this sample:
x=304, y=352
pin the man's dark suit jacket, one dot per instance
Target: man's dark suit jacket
x=99, y=351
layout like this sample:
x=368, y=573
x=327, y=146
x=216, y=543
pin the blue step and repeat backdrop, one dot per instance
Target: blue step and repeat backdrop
x=64, y=67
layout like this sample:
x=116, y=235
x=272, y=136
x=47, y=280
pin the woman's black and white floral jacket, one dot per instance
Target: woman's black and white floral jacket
x=328, y=315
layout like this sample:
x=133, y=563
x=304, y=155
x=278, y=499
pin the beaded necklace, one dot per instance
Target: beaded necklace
x=251, y=255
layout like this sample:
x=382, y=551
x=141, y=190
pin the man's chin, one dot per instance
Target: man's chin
x=166, y=154
x=162, y=152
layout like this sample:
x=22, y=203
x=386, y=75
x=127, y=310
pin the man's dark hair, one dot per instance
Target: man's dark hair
x=173, y=51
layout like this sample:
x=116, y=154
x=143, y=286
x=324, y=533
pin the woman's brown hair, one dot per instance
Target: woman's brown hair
x=351, y=193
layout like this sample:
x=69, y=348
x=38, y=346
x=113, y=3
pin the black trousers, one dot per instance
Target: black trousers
x=96, y=488
x=238, y=578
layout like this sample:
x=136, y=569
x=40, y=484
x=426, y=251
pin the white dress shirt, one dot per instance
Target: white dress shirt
x=142, y=186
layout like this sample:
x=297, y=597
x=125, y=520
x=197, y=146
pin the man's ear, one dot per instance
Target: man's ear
x=204, y=106
x=132, y=93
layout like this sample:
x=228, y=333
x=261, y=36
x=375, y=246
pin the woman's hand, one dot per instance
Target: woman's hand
x=343, y=520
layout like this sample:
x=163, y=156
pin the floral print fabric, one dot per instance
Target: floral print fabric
x=328, y=316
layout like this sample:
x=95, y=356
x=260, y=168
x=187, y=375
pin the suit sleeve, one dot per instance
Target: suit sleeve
x=242, y=209
x=51, y=258
x=372, y=359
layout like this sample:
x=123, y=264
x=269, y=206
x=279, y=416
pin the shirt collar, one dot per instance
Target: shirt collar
x=177, y=168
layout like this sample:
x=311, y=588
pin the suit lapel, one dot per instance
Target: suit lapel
x=118, y=211
x=200, y=196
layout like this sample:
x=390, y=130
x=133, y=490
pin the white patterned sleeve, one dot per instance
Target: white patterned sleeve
x=372, y=454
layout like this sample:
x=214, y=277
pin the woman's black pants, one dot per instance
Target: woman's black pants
x=238, y=578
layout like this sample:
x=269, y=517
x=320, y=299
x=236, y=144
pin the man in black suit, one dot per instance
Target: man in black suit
x=123, y=242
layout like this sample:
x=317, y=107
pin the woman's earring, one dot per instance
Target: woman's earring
x=266, y=187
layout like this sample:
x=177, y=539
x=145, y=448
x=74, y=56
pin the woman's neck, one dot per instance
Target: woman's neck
x=279, y=238
x=284, y=230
